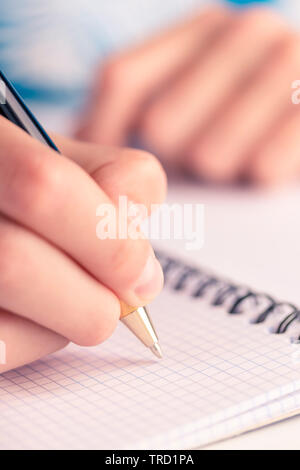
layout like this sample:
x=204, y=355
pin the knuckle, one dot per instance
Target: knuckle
x=97, y=328
x=35, y=186
x=291, y=49
x=90, y=335
x=149, y=173
x=117, y=73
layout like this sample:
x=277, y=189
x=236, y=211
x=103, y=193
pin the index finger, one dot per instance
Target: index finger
x=58, y=200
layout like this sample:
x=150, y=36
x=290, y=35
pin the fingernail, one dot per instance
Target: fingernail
x=151, y=280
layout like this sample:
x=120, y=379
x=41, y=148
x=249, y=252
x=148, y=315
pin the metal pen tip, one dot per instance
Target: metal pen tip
x=156, y=350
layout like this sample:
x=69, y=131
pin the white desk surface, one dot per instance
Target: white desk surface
x=284, y=435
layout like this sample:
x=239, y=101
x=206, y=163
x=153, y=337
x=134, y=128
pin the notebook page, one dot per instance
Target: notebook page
x=260, y=416
x=215, y=367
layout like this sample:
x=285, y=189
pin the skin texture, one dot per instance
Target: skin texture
x=58, y=281
x=211, y=96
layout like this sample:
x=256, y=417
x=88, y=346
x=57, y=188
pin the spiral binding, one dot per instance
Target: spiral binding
x=201, y=284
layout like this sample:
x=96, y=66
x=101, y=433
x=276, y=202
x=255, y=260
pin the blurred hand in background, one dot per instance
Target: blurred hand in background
x=211, y=96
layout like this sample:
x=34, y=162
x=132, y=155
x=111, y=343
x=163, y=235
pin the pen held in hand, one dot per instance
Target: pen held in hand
x=15, y=110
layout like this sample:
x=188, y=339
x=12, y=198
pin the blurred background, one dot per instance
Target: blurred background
x=51, y=49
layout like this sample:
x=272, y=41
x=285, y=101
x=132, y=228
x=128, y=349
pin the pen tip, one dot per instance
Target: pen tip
x=156, y=350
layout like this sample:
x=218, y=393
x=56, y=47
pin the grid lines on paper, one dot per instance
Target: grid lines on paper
x=216, y=368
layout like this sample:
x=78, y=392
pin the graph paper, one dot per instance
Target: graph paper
x=220, y=375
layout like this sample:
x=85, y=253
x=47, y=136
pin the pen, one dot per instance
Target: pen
x=15, y=110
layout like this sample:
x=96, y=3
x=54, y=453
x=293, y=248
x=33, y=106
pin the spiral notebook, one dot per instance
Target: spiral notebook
x=231, y=363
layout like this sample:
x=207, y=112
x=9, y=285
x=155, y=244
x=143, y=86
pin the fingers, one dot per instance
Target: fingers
x=188, y=105
x=23, y=342
x=136, y=174
x=130, y=79
x=55, y=198
x=277, y=160
x=222, y=152
x=41, y=284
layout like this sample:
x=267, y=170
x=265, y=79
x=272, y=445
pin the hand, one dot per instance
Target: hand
x=212, y=95
x=58, y=281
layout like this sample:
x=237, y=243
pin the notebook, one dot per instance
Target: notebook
x=231, y=363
